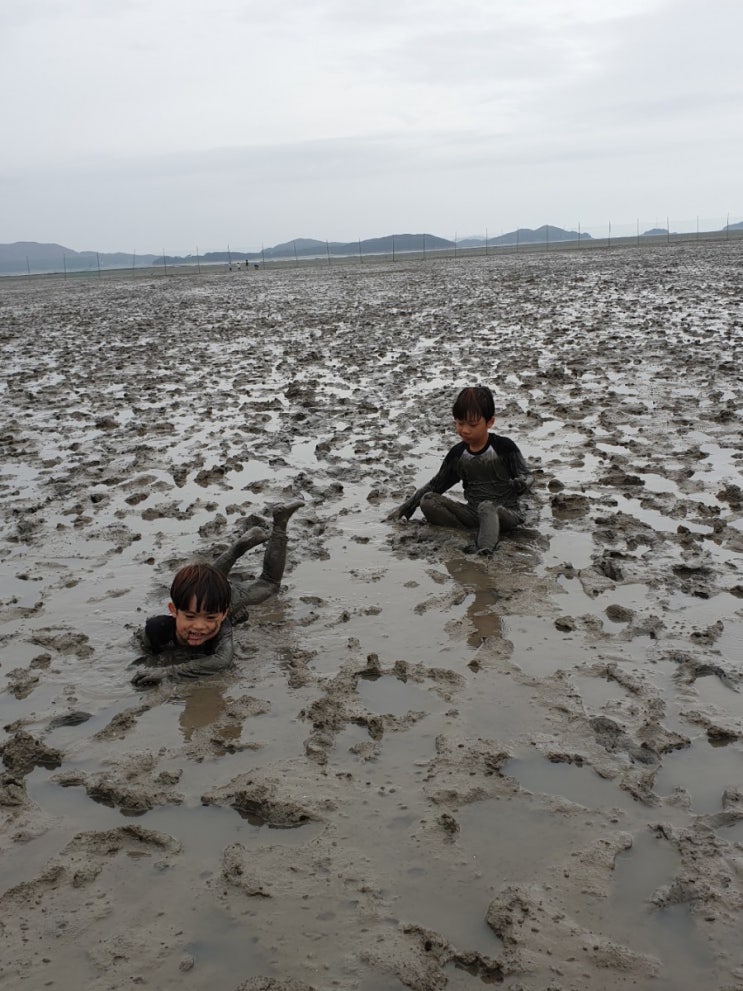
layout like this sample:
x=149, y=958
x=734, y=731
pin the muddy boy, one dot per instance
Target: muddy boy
x=492, y=471
x=195, y=636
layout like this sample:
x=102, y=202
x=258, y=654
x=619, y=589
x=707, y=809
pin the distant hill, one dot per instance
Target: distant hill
x=304, y=247
x=525, y=235
x=22, y=257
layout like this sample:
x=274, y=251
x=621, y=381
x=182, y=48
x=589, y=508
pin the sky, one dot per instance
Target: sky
x=185, y=125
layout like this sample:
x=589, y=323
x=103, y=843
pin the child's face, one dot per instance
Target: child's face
x=474, y=431
x=192, y=627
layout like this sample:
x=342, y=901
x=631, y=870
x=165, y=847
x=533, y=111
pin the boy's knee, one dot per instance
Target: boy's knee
x=430, y=503
x=486, y=508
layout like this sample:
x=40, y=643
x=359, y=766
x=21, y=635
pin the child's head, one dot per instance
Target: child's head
x=474, y=415
x=200, y=599
x=474, y=402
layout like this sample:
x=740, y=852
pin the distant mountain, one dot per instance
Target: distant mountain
x=304, y=247
x=525, y=235
x=23, y=257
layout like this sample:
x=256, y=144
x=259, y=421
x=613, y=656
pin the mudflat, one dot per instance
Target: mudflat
x=425, y=770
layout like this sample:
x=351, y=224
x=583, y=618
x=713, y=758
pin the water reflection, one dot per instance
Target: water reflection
x=205, y=705
x=477, y=581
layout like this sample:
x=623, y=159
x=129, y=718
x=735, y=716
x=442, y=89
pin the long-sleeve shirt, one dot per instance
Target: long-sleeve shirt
x=498, y=473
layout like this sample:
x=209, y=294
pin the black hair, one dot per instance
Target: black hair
x=205, y=584
x=473, y=402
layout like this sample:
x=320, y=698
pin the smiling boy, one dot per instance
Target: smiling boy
x=492, y=471
x=195, y=637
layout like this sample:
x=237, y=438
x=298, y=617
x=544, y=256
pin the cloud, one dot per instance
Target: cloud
x=172, y=117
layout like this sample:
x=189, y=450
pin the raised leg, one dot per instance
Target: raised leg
x=251, y=538
x=246, y=594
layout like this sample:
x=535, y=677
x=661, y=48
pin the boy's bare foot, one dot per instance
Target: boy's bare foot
x=251, y=538
x=285, y=510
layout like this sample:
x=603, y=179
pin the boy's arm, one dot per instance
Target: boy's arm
x=410, y=505
x=522, y=477
x=193, y=667
x=444, y=478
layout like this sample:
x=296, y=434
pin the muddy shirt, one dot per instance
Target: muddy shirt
x=498, y=473
x=162, y=648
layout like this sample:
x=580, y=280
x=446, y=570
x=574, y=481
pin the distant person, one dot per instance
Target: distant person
x=492, y=471
x=195, y=637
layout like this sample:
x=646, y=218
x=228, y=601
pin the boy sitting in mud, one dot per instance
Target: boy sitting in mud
x=195, y=638
x=492, y=471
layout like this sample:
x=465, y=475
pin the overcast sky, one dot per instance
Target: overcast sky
x=171, y=124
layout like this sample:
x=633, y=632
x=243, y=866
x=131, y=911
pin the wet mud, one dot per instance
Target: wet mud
x=424, y=771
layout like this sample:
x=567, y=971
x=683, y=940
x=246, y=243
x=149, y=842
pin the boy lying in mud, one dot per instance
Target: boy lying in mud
x=491, y=469
x=195, y=638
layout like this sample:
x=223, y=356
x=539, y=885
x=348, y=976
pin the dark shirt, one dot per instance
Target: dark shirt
x=498, y=473
x=162, y=649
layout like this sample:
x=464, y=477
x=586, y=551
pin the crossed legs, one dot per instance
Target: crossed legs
x=489, y=520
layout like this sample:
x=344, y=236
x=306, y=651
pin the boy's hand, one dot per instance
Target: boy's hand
x=152, y=676
x=407, y=509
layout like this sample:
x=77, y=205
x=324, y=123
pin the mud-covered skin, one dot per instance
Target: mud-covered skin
x=488, y=519
x=492, y=480
x=173, y=661
x=245, y=594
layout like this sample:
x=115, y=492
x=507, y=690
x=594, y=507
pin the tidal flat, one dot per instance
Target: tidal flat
x=425, y=771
